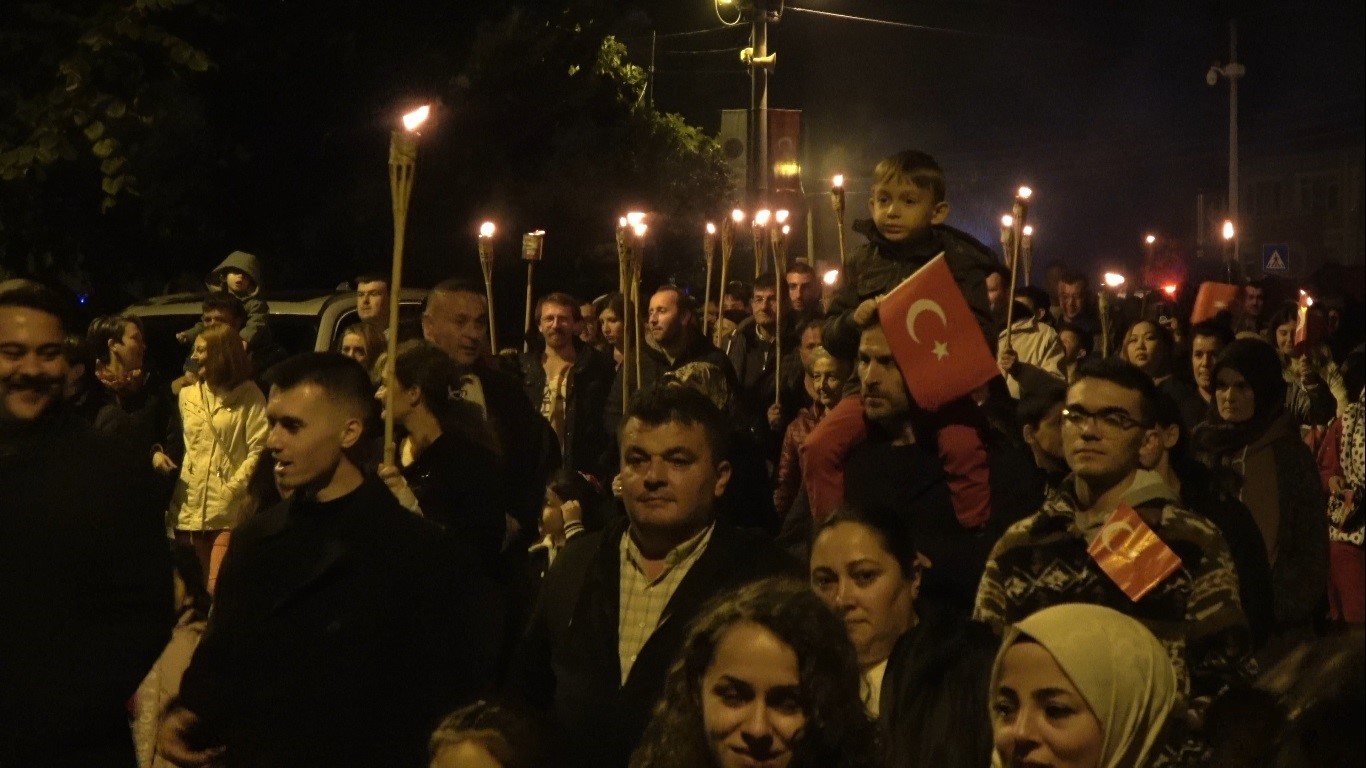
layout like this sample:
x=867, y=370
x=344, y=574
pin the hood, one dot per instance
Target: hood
x=240, y=261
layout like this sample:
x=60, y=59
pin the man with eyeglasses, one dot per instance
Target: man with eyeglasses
x=1043, y=560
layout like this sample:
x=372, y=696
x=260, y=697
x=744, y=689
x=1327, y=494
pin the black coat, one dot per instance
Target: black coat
x=567, y=663
x=85, y=592
x=451, y=480
x=587, y=387
x=653, y=366
x=341, y=633
x=526, y=442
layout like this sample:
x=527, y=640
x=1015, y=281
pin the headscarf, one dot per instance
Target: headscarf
x=1257, y=362
x=1120, y=669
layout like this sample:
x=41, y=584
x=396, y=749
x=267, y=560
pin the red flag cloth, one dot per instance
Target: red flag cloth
x=936, y=340
x=1131, y=554
x=1212, y=299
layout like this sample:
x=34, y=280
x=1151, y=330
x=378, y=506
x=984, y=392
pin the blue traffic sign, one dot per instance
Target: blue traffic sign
x=1275, y=257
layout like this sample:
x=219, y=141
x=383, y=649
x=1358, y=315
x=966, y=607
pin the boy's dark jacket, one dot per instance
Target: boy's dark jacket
x=880, y=265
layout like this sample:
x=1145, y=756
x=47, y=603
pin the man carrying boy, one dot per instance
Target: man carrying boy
x=240, y=276
x=906, y=231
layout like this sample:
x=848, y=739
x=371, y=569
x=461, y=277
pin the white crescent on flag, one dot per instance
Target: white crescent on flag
x=923, y=305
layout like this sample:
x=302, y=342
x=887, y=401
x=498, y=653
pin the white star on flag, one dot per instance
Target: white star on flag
x=941, y=350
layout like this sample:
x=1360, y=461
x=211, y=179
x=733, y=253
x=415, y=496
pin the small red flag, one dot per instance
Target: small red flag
x=943, y=356
x=1131, y=554
x=1212, y=299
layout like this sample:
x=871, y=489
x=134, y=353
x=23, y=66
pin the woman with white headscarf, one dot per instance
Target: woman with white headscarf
x=1081, y=686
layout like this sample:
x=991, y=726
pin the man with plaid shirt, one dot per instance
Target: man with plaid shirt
x=615, y=606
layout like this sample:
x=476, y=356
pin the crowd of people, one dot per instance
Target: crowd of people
x=1140, y=545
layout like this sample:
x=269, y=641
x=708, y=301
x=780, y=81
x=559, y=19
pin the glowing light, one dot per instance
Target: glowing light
x=787, y=169
x=416, y=118
x=640, y=229
x=1150, y=239
x=1114, y=279
x=738, y=216
x=634, y=218
x=838, y=182
x=1228, y=230
x=486, y=229
x=780, y=216
x=1029, y=230
x=1007, y=220
x=831, y=276
x=1169, y=289
x=787, y=230
x=711, y=228
x=761, y=218
x=1024, y=193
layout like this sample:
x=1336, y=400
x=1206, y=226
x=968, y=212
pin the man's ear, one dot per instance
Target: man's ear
x=941, y=212
x=352, y=430
x=1169, y=435
x=722, y=478
x=1029, y=433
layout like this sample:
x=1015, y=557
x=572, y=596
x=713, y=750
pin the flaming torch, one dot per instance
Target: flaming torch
x=778, y=236
x=639, y=228
x=402, y=165
x=627, y=317
x=1027, y=249
x=737, y=217
x=533, y=247
x=486, y=231
x=837, y=202
x=1019, y=211
x=708, y=255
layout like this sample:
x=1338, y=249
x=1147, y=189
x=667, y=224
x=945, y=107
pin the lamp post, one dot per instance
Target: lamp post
x=1232, y=72
x=402, y=165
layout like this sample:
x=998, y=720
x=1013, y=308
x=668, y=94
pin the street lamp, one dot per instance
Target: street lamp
x=1232, y=72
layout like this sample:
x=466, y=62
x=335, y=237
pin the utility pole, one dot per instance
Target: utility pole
x=1232, y=72
x=760, y=61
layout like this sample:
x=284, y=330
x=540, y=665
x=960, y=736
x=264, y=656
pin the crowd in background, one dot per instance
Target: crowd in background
x=768, y=554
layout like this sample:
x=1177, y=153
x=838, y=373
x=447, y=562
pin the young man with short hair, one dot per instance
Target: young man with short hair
x=372, y=299
x=1044, y=560
x=342, y=624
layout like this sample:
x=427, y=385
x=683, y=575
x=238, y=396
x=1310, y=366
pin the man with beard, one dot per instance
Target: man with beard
x=85, y=571
x=569, y=380
x=752, y=350
x=341, y=629
x=803, y=293
x=674, y=339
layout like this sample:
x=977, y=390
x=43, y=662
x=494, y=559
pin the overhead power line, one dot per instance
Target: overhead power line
x=920, y=27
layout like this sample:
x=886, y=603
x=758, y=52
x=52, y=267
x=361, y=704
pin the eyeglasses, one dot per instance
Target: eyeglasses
x=1107, y=419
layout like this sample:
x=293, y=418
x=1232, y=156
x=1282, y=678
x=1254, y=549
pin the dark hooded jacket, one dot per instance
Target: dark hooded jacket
x=880, y=265
x=257, y=308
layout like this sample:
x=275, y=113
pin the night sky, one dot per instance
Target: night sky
x=1101, y=107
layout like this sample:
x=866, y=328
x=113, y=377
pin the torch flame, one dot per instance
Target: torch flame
x=1024, y=193
x=1029, y=230
x=787, y=230
x=634, y=218
x=1114, y=279
x=416, y=118
x=711, y=228
x=1228, y=230
x=486, y=229
x=1007, y=220
x=831, y=277
x=737, y=215
x=838, y=182
x=640, y=229
x=761, y=218
x=1150, y=239
x=781, y=215
x=1169, y=289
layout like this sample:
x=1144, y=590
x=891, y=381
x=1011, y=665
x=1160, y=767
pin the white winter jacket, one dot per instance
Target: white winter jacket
x=224, y=438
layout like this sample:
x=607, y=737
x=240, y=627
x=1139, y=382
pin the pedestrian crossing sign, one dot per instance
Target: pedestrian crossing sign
x=1275, y=257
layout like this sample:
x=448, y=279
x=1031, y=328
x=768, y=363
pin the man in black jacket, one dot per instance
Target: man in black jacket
x=569, y=379
x=85, y=572
x=674, y=339
x=615, y=607
x=341, y=629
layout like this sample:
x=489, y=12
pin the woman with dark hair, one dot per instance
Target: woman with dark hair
x=611, y=311
x=223, y=416
x=1085, y=686
x=1251, y=440
x=923, y=680
x=446, y=453
x=134, y=402
x=766, y=677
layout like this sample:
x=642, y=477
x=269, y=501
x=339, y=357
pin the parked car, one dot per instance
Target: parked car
x=299, y=322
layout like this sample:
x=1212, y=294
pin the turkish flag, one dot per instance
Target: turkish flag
x=936, y=340
x=1132, y=554
x=1212, y=299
